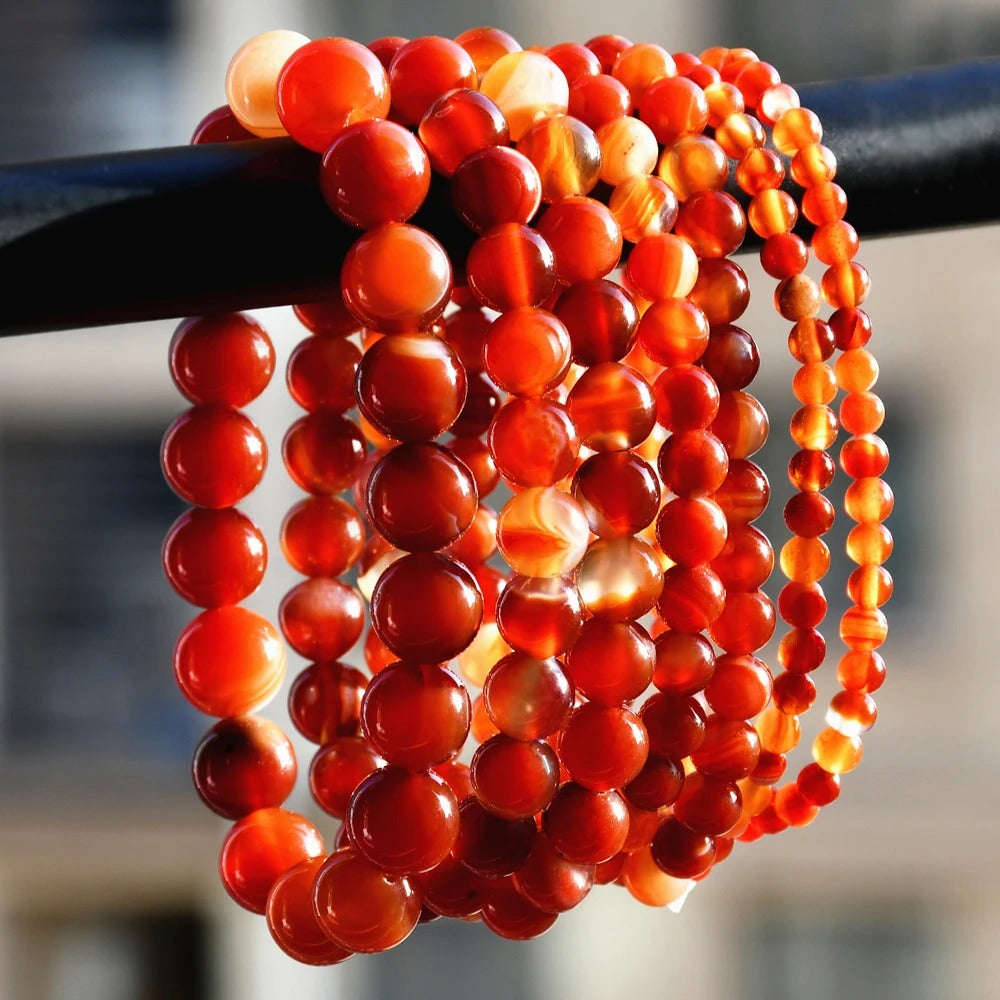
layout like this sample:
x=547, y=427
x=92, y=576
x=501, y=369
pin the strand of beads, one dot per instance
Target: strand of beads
x=569, y=378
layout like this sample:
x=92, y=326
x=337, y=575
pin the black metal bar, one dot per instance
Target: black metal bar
x=173, y=232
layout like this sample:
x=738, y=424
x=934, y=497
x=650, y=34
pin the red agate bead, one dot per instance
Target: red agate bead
x=320, y=373
x=322, y=536
x=260, y=848
x=511, y=265
x=337, y=769
x=496, y=185
x=323, y=452
x=514, y=778
x=618, y=492
x=422, y=70
x=612, y=661
x=322, y=618
x=528, y=698
x=550, y=882
x=325, y=701
x=534, y=441
x=458, y=124
x=541, y=616
x=603, y=746
x=586, y=826
x=242, y=764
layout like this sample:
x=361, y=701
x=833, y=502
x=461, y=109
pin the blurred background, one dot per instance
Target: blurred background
x=108, y=888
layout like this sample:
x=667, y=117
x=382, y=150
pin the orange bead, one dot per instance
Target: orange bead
x=796, y=129
x=327, y=85
x=487, y=45
x=496, y=185
x=835, y=243
x=741, y=424
x=424, y=69
x=772, y=212
x=759, y=170
x=619, y=579
x=640, y=65
x=691, y=599
x=601, y=318
x=585, y=239
x=861, y=413
x=775, y=100
x=566, y=155
x=533, y=441
x=648, y=883
x=458, y=124
x=628, y=149
x=612, y=407
x=740, y=133
x=526, y=87
x=805, y=560
x=813, y=165
x=323, y=452
x=396, y=278
x=252, y=77
x=229, y=661
x=837, y=753
x=863, y=628
x=574, y=60
x=643, y=206
x=540, y=616
x=527, y=351
x=779, y=733
x=672, y=107
x=510, y=266
x=712, y=222
x=693, y=164
x=797, y=298
x=662, y=267
x=845, y=284
x=542, y=531
x=597, y=100
x=722, y=291
x=673, y=332
x=322, y=618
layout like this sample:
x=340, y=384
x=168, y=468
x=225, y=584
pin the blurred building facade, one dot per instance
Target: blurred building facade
x=107, y=861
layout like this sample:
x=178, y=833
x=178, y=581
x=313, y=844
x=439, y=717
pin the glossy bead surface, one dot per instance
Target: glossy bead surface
x=337, y=769
x=673, y=107
x=584, y=237
x=643, y=206
x=528, y=698
x=534, y=441
x=612, y=407
x=526, y=87
x=540, y=616
x=323, y=452
x=426, y=607
x=684, y=663
x=692, y=598
x=566, y=155
x=322, y=536
x=527, y=351
x=458, y=124
x=489, y=844
x=542, y=531
x=693, y=463
x=325, y=701
x=611, y=662
x=514, y=778
x=603, y=747
x=494, y=186
x=422, y=70
x=510, y=915
x=320, y=374
x=252, y=77
x=509, y=266
x=601, y=318
x=322, y=618
x=662, y=267
x=619, y=579
x=229, y=661
x=219, y=125
x=618, y=492
x=259, y=849
x=550, y=882
x=628, y=149
x=586, y=826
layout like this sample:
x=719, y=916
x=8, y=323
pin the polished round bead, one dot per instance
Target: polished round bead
x=731, y=358
x=411, y=387
x=514, y=778
x=242, y=764
x=214, y=557
x=321, y=372
x=322, y=618
x=259, y=849
x=687, y=398
x=643, y=206
x=731, y=749
x=612, y=407
x=373, y=173
x=362, y=908
x=424, y=69
x=721, y=291
x=692, y=165
x=673, y=332
x=426, y=607
x=708, y=805
x=586, y=826
x=818, y=786
x=746, y=623
x=511, y=265
x=628, y=149
x=603, y=746
x=618, y=492
x=684, y=663
x=292, y=920
x=226, y=359
x=585, y=239
x=527, y=87
x=739, y=688
x=229, y=661
x=494, y=186
x=540, y=616
x=490, y=845
x=691, y=530
x=675, y=726
x=712, y=222
x=662, y=267
x=453, y=890
x=219, y=125
x=323, y=452
x=534, y=441
x=213, y=456
x=252, y=77
x=403, y=822
x=673, y=107
x=608, y=48
x=327, y=85
x=542, y=531
x=612, y=661
x=487, y=45
x=741, y=424
x=458, y=124
x=566, y=155
x=648, y=883
x=526, y=698
x=322, y=536
x=527, y=351
x=396, y=278
x=338, y=767
x=574, y=60
x=479, y=542
x=420, y=497
x=511, y=915
x=681, y=852
x=657, y=785
x=550, y=882
x=416, y=715
x=601, y=318
x=693, y=463
x=620, y=579
x=325, y=701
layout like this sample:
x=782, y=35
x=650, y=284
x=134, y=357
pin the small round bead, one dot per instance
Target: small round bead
x=784, y=255
x=322, y=536
x=426, y=607
x=325, y=701
x=708, y=805
x=422, y=70
x=824, y=203
x=730, y=749
x=325, y=86
x=681, y=852
x=691, y=530
x=526, y=87
x=574, y=60
x=323, y=452
x=603, y=746
x=746, y=559
x=496, y=185
x=322, y=618
x=861, y=413
x=738, y=133
x=214, y=557
x=837, y=753
x=684, y=664
x=692, y=598
x=712, y=222
x=693, y=164
x=401, y=821
x=321, y=372
x=618, y=492
x=796, y=129
x=601, y=318
x=694, y=463
x=759, y=170
x=675, y=726
x=628, y=149
x=514, y=778
x=640, y=65
x=818, y=786
x=242, y=764
x=869, y=586
x=373, y=173
x=739, y=688
x=229, y=661
x=490, y=845
x=362, y=908
x=612, y=407
x=541, y=616
x=662, y=267
x=411, y=386
x=674, y=332
x=643, y=206
x=511, y=915
x=534, y=441
x=851, y=327
x=648, y=883
x=481, y=406
x=528, y=699
x=779, y=733
x=586, y=826
x=611, y=662
x=511, y=265
x=458, y=124
x=527, y=351
x=396, y=278
x=213, y=456
x=741, y=424
x=687, y=398
x=566, y=154
x=722, y=291
x=584, y=237
x=863, y=628
x=851, y=713
x=252, y=77
x=550, y=882
x=542, y=531
x=657, y=785
x=597, y=100
x=259, y=849
x=673, y=107
x=339, y=766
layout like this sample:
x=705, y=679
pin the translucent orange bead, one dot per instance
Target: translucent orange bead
x=585, y=239
x=252, y=77
x=361, y=907
x=796, y=129
x=323, y=452
x=813, y=165
x=741, y=424
x=339, y=766
x=526, y=87
x=628, y=149
x=643, y=206
x=692, y=165
x=723, y=98
x=722, y=291
x=612, y=407
x=574, y=60
x=322, y=536
x=837, y=753
x=477, y=458
x=662, y=267
x=815, y=384
x=802, y=605
x=541, y=616
x=509, y=266
x=759, y=170
x=824, y=203
x=542, y=531
x=672, y=107
x=640, y=65
x=496, y=185
x=845, y=284
x=811, y=470
x=528, y=699
x=784, y=255
x=693, y=463
x=797, y=297
x=566, y=155
x=550, y=882
x=691, y=599
x=673, y=332
x=396, y=278
x=739, y=687
x=712, y=222
x=327, y=85
x=738, y=134
x=322, y=618
x=800, y=651
x=619, y=578
x=533, y=441
x=869, y=544
x=869, y=586
x=851, y=713
x=779, y=733
x=597, y=100
x=373, y=173
x=746, y=623
x=861, y=670
x=259, y=849
x=868, y=499
x=813, y=427
x=805, y=560
x=603, y=746
x=775, y=100
x=487, y=45
x=835, y=243
x=458, y=124
x=325, y=701
x=481, y=726
x=229, y=661
x=691, y=530
x=730, y=750
x=793, y=808
x=685, y=663
x=511, y=915
x=618, y=492
x=861, y=413
x=863, y=628
x=611, y=661
x=818, y=786
x=753, y=79
x=772, y=212
x=601, y=318
x=648, y=883
x=424, y=69
x=747, y=558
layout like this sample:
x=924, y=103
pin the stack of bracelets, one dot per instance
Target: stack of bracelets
x=583, y=355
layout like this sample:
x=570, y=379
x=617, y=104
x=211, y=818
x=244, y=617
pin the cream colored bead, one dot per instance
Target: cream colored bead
x=628, y=149
x=526, y=87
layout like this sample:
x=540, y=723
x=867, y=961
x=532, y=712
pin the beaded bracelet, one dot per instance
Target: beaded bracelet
x=585, y=354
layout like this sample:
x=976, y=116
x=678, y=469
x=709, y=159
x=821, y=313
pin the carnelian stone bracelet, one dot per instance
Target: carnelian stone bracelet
x=597, y=630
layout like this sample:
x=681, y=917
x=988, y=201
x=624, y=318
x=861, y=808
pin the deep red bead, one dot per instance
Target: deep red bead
x=515, y=779
x=337, y=769
x=586, y=826
x=325, y=701
x=603, y=746
x=490, y=845
x=675, y=726
x=322, y=618
x=323, y=452
x=549, y=881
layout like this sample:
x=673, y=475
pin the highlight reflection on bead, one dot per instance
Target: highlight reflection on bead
x=542, y=531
